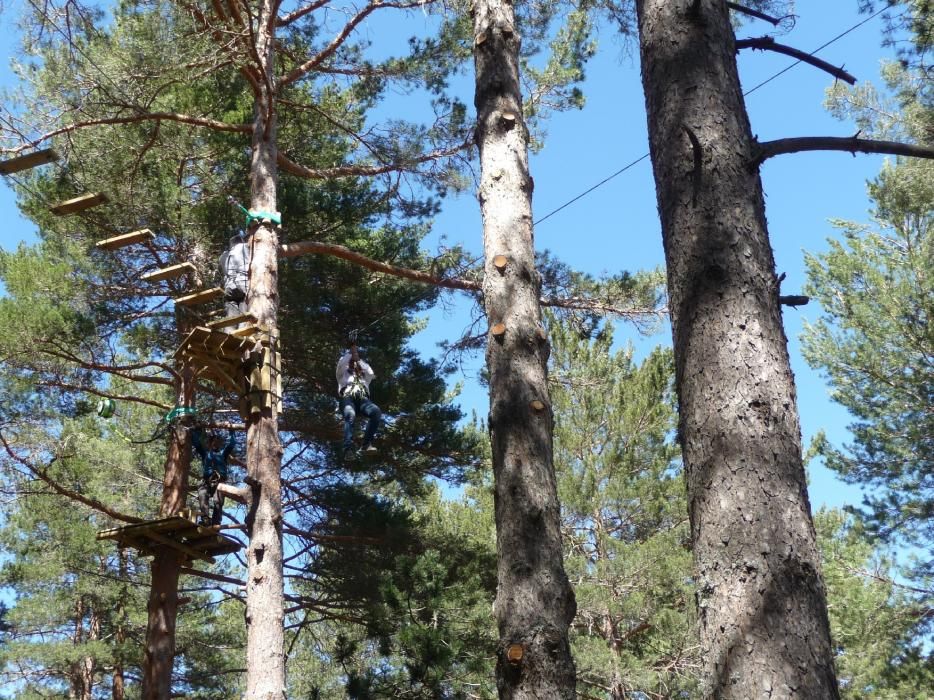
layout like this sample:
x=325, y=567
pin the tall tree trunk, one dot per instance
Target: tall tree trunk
x=118, y=690
x=764, y=627
x=162, y=607
x=534, y=601
x=265, y=595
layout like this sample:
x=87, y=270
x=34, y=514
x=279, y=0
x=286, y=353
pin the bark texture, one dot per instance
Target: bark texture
x=763, y=616
x=534, y=601
x=265, y=595
x=162, y=607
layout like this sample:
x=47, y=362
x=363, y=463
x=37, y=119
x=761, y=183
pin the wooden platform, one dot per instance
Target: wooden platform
x=168, y=272
x=202, y=296
x=233, y=321
x=216, y=356
x=123, y=240
x=181, y=534
x=85, y=201
x=30, y=160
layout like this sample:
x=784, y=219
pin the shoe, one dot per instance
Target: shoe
x=368, y=450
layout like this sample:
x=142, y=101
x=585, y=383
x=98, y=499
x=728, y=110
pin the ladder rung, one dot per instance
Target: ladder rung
x=168, y=272
x=30, y=160
x=202, y=296
x=85, y=201
x=232, y=321
x=125, y=239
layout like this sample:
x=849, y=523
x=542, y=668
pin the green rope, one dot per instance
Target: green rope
x=252, y=216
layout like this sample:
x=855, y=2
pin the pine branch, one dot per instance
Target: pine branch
x=767, y=43
x=310, y=64
x=42, y=474
x=851, y=144
x=292, y=250
x=294, y=168
x=135, y=119
x=286, y=20
x=774, y=21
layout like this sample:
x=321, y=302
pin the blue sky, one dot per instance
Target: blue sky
x=616, y=227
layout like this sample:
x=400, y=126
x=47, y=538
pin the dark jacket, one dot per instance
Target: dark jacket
x=212, y=461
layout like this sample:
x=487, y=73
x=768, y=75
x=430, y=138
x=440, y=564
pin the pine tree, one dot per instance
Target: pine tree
x=874, y=338
x=624, y=517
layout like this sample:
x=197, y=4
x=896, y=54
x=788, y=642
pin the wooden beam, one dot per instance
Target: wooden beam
x=202, y=296
x=85, y=201
x=125, y=239
x=232, y=321
x=168, y=272
x=178, y=546
x=30, y=160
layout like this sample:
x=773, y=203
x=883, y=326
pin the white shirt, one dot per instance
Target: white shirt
x=345, y=376
x=235, y=265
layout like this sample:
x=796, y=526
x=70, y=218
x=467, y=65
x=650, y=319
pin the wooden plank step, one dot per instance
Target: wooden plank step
x=125, y=239
x=85, y=201
x=232, y=321
x=168, y=272
x=202, y=296
x=30, y=160
x=248, y=331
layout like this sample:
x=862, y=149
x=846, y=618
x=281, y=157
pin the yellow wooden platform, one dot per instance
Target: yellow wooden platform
x=216, y=356
x=123, y=240
x=202, y=296
x=30, y=160
x=168, y=272
x=189, y=539
x=233, y=321
x=85, y=201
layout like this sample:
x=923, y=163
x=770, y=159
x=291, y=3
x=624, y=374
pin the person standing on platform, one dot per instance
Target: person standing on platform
x=214, y=457
x=235, y=268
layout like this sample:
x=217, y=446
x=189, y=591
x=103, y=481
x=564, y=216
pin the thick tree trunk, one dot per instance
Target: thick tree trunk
x=265, y=594
x=764, y=627
x=534, y=601
x=162, y=607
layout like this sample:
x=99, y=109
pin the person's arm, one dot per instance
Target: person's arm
x=196, y=443
x=366, y=372
x=342, y=365
x=231, y=443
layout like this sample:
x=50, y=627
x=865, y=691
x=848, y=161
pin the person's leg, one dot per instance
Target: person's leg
x=349, y=415
x=218, y=512
x=203, y=505
x=373, y=414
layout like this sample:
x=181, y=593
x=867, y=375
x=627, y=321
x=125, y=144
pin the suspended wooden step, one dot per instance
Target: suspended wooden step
x=233, y=321
x=168, y=272
x=85, y=201
x=202, y=296
x=216, y=356
x=30, y=160
x=142, y=236
x=189, y=539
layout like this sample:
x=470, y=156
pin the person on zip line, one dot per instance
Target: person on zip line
x=214, y=458
x=353, y=389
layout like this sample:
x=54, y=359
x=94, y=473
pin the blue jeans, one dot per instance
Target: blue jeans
x=349, y=408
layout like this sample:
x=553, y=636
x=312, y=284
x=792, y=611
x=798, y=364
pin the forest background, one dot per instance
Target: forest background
x=615, y=226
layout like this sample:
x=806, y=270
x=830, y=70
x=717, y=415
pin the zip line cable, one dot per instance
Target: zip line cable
x=745, y=94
